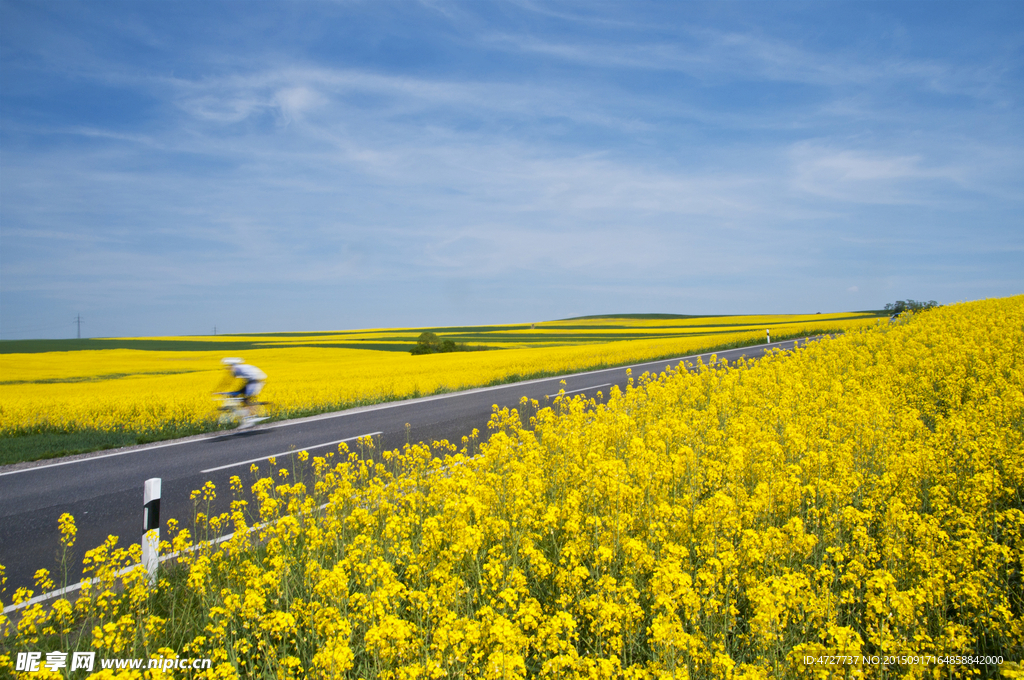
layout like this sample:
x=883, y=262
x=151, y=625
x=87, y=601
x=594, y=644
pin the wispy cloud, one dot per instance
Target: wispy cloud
x=571, y=155
x=871, y=177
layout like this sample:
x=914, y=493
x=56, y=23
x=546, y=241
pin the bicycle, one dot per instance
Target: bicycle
x=234, y=411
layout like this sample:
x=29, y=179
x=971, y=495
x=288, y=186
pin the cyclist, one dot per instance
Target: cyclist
x=254, y=379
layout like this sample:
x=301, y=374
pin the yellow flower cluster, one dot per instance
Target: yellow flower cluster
x=857, y=498
x=168, y=392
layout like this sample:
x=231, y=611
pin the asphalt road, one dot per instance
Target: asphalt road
x=104, y=490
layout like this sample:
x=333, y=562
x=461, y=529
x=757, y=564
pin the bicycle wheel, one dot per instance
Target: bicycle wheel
x=259, y=409
x=228, y=413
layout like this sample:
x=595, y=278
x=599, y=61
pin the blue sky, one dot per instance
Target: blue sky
x=166, y=168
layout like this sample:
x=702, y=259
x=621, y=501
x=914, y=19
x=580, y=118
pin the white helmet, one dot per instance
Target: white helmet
x=231, y=361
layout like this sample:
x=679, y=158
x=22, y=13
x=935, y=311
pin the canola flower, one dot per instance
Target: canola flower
x=860, y=496
x=158, y=394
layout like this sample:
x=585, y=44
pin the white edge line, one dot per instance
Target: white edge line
x=582, y=389
x=77, y=586
x=401, y=402
x=105, y=455
x=163, y=558
x=285, y=453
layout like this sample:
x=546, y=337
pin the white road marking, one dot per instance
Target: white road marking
x=107, y=455
x=582, y=389
x=285, y=453
x=163, y=558
x=402, y=402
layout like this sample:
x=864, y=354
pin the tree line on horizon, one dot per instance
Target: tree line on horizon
x=900, y=306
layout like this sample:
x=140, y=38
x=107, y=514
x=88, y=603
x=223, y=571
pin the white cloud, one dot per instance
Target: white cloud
x=619, y=159
x=876, y=177
x=295, y=101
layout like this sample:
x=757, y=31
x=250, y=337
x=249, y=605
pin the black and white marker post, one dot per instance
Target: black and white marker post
x=151, y=528
x=768, y=334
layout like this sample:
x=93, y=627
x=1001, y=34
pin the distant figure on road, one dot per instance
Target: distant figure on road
x=253, y=377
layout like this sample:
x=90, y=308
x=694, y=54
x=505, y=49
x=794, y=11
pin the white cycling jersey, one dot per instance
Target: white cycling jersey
x=248, y=372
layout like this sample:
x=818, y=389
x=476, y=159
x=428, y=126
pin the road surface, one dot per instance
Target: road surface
x=104, y=490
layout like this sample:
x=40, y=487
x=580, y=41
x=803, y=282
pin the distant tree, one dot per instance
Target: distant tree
x=900, y=306
x=429, y=343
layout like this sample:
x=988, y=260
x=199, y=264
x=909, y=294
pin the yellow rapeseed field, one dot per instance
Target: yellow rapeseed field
x=155, y=392
x=858, y=499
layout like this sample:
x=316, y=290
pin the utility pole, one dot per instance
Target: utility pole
x=78, y=320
